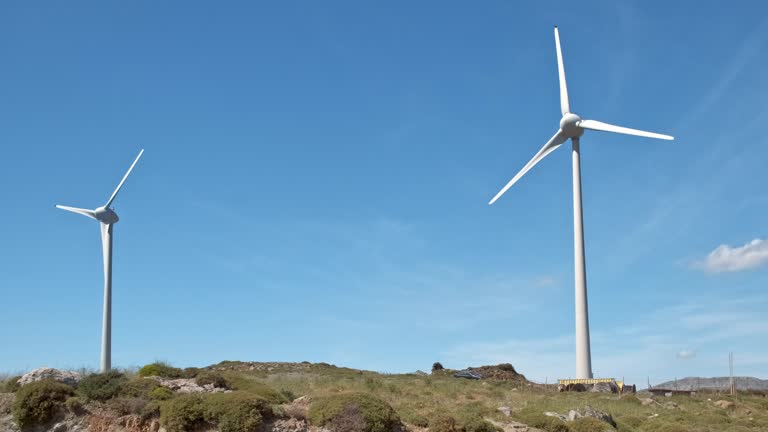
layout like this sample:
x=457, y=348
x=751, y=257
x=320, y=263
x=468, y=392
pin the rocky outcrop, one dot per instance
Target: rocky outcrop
x=587, y=411
x=287, y=425
x=187, y=385
x=604, y=387
x=63, y=376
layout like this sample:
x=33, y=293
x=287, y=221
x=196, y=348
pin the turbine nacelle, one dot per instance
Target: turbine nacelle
x=569, y=125
x=106, y=215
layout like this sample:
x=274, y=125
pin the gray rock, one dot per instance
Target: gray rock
x=604, y=387
x=600, y=415
x=507, y=411
x=63, y=376
x=467, y=374
x=556, y=415
x=588, y=411
x=573, y=415
x=187, y=385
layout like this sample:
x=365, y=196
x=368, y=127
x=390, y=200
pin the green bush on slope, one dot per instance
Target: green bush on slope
x=229, y=412
x=101, y=386
x=160, y=369
x=39, y=402
x=377, y=415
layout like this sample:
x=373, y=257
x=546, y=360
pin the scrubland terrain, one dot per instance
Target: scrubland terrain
x=305, y=397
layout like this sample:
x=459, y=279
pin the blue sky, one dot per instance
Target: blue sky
x=316, y=179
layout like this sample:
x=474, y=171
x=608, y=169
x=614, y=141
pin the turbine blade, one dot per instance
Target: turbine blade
x=85, y=212
x=605, y=127
x=565, y=105
x=548, y=148
x=114, y=194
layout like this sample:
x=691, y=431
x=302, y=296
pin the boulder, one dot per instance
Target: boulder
x=588, y=411
x=724, y=404
x=604, y=387
x=507, y=411
x=467, y=374
x=556, y=415
x=600, y=415
x=62, y=376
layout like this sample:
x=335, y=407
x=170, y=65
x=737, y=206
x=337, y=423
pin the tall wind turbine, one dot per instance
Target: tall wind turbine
x=107, y=218
x=572, y=126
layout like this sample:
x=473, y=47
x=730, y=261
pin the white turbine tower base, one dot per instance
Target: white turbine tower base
x=572, y=126
x=107, y=219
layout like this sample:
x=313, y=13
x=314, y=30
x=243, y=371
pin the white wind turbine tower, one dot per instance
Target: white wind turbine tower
x=572, y=126
x=107, y=218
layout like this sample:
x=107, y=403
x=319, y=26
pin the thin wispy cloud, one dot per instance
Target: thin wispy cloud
x=727, y=258
x=686, y=354
x=543, y=281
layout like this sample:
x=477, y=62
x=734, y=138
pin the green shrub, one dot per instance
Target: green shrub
x=230, y=412
x=378, y=416
x=191, y=372
x=507, y=367
x=480, y=425
x=443, y=424
x=540, y=421
x=589, y=424
x=417, y=420
x=349, y=419
x=39, y=402
x=138, y=387
x=161, y=393
x=160, y=369
x=255, y=388
x=436, y=366
x=206, y=378
x=127, y=405
x=152, y=409
x=101, y=386
x=11, y=385
x=186, y=412
x=74, y=405
x=289, y=395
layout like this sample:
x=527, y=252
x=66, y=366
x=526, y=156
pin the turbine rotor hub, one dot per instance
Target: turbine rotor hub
x=569, y=124
x=106, y=215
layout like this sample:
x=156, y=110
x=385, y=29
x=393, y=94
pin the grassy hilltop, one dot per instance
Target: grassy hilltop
x=298, y=397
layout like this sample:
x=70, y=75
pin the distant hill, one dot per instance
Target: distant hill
x=717, y=383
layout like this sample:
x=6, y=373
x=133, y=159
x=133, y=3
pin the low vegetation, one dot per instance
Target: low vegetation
x=160, y=369
x=342, y=411
x=10, y=385
x=40, y=402
x=230, y=412
x=101, y=386
x=211, y=378
x=346, y=400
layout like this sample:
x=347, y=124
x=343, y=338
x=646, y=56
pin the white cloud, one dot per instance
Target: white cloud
x=686, y=354
x=734, y=259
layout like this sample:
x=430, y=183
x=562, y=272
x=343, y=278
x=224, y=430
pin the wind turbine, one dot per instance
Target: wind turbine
x=572, y=126
x=107, y=218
